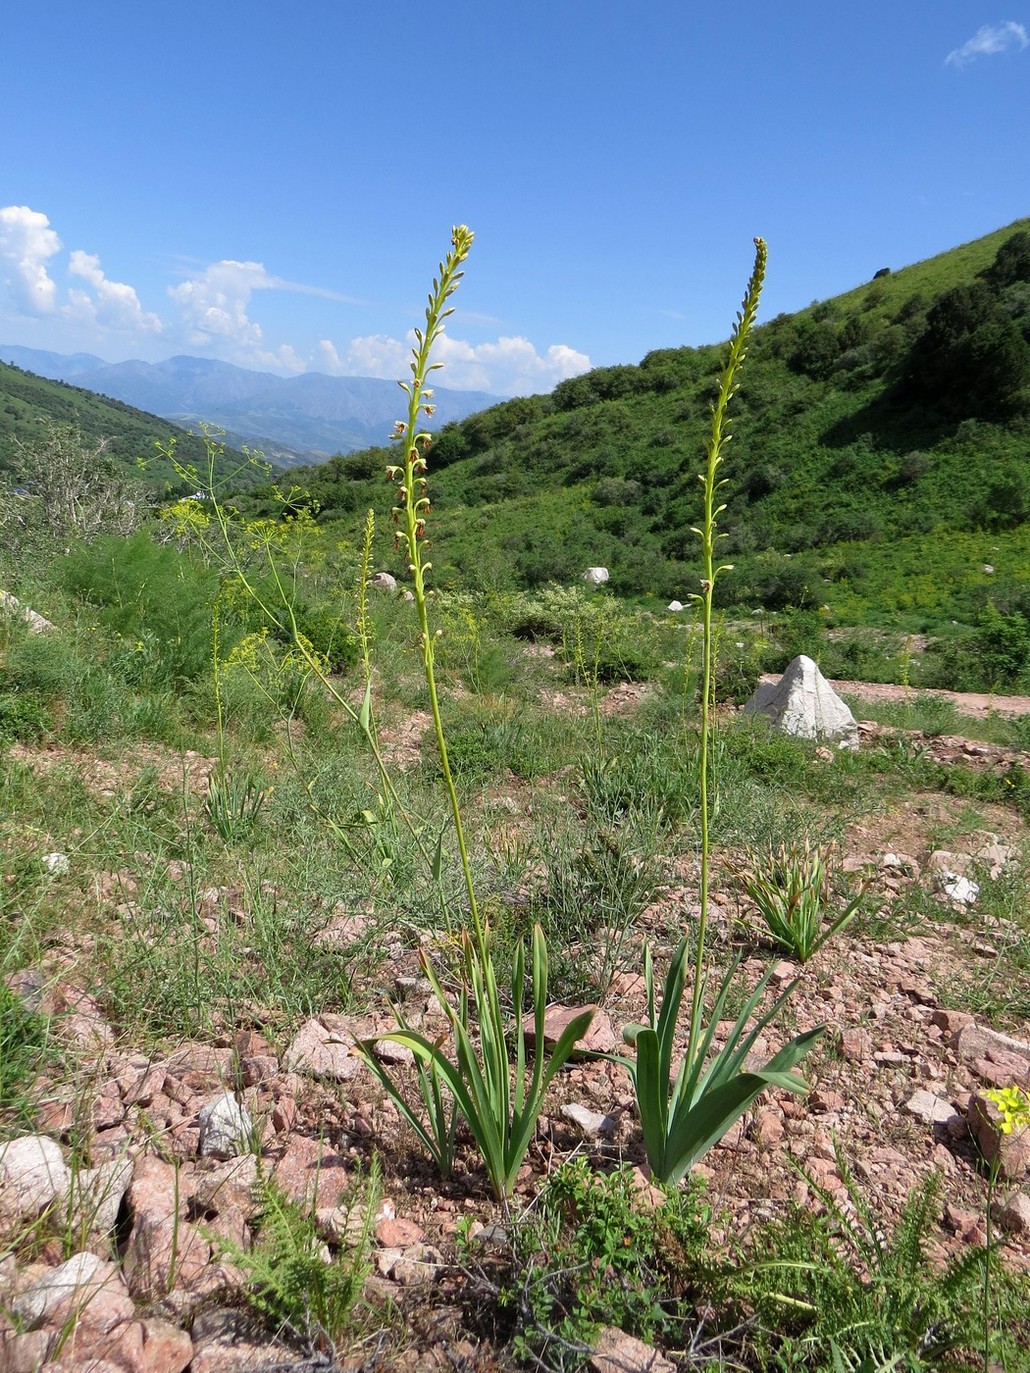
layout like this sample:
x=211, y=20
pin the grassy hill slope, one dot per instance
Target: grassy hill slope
x=878, y=436
x=28, y=404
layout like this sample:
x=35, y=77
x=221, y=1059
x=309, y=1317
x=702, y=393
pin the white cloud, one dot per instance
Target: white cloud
x=214, y=310
x=376, y=355
x=27, y=242
x=988, y=41
x=508, y=367
x=327, y=359
x=214, y=304
x=112, y=303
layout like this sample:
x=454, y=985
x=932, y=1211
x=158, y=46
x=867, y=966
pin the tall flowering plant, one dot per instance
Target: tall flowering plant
x=490, y=1086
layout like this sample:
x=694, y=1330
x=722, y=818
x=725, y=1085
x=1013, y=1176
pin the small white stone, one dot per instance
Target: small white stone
x=225, y=1128
x=961, y=889
x=593, y=1124
x=57, y=864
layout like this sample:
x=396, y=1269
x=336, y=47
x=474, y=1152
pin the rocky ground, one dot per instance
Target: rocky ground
x=145, y=1163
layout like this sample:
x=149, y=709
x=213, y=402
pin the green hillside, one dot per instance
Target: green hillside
x=30, y=404
x=879, y=462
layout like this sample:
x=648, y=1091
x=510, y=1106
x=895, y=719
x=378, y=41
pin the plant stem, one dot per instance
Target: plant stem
x=720, y=436
x=412, y=509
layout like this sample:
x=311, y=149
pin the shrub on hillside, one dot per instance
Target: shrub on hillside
x=151, y=595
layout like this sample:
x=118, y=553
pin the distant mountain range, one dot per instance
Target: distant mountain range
x=289, y=419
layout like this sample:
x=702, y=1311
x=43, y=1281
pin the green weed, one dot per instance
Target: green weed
x=589, y=1254
x=24, y=1038
x=840, y=1282
x=790, y=887
x=292, y=1281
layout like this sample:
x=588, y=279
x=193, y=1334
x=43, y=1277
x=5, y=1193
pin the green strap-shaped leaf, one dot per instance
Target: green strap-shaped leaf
x=652, y=1099
x=693, y=1131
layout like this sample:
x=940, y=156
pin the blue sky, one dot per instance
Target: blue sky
x=273, y=184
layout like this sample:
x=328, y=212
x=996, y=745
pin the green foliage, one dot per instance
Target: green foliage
x=32, y=407
x=291, y=1281
x=594, y=893
x=971, y=359
x=641, y=774
x=23, y=1046
x=24, y=717
x=330, y=638
x=233, y=805
x=995, y=656
x=590, y=1254
x=155, y=598
x=167, y=973
x=838, y=1282
x=682, y=1118
x=790, y=886
x=70, y=490
x=1011, y=263
x=501, y=1116
x=826, y=436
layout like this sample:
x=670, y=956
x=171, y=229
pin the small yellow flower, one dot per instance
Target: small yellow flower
x=1014, y=1105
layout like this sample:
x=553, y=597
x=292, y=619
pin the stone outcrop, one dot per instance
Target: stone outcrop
x=803, y=704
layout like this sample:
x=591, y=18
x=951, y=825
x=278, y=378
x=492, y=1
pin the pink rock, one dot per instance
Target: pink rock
x=140, y=1088
x=1002, y=1069
x=824, y=1100
x=166, y=1348
x=598, y=1038
x=33, y=1175
x=617, y=1352
x=960, y=1220
x=201, y=1066
x=88, y=1345
x=342, y=931
x=647, y=1192
x=242, y=1357
x=1014, y=1216
x=310, y=1173
x=769, y=1128
x=259, y=1068
x=323, y=1052
x=284, y=1114
x=951, y=1022
x=164, y=1249
x=976, y=1044
x=398, y=1233
x=1011, y=1152
x=163, y=1254
x=86, y=1281
x=25, y=1353
x=627, y=985
x=856, y=1045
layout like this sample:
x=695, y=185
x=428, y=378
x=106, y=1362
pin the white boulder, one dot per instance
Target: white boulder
x=595, y=576
x=225, y=1127
x=803, y=704
x=10, y=605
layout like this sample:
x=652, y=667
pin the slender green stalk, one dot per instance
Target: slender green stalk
x=413, y=506
x=720, y=437
x=362, y=623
